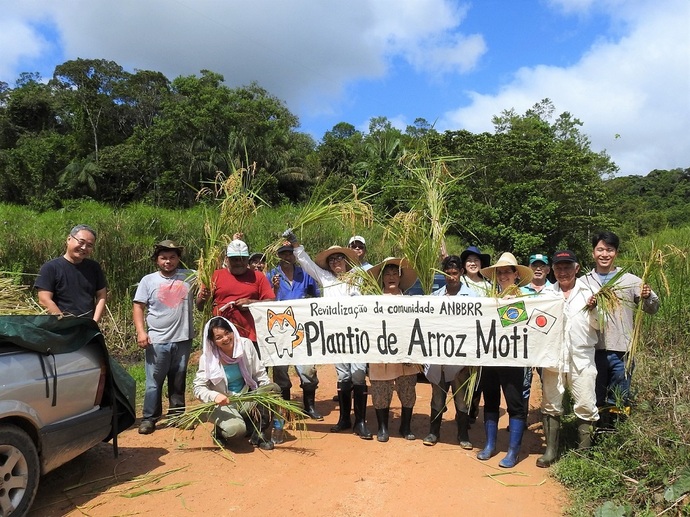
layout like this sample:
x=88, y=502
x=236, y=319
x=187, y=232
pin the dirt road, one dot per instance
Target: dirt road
x=321, y=473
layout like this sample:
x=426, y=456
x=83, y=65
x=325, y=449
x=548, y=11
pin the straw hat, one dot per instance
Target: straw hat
x=321, y=259
x=506, y=260
x=408, y=276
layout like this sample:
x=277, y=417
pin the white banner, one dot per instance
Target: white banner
x=411, y=329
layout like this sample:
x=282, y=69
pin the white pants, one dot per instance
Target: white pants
x=582, y=388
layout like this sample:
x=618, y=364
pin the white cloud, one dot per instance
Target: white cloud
x=304, y=51
x=18, y=41
x=637, y=87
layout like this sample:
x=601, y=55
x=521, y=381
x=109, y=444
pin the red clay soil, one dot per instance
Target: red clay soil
x=318, y=473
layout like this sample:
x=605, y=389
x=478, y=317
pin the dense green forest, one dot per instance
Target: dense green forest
x=96, y=131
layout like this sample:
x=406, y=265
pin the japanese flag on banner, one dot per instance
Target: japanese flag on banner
x=541, y=321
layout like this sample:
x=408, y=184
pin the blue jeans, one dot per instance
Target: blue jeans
x=613, y=382
x=165, y=360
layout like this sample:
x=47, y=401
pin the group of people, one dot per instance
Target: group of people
x=592, y=367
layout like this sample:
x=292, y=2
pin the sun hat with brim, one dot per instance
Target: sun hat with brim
x=507, y=260
x=408, y=276
x=484, y=258
x=166, y=245
x=321, y=259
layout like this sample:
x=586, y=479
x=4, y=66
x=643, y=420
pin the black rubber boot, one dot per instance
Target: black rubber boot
x=285, y=393
x=345, y=403
x=552, y=432
x=406, y=423
x=382, y=419
x=261, y=438
x=309, y=398
x=463, y=421
x=435, y=421
x=360, y=398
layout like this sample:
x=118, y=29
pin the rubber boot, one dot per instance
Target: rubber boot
x=259, y=437
x=552, y=433
x=517, y=428
x=382, y=419
x=491, y=430
x=435, y=421
x=584, y=433
x=360, y=398
x=309, y=398
x=285, y=393
x=345, y=403
x=463, y=421
x=406, y=423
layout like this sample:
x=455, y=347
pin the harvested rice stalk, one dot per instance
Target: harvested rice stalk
x=607, y=299
x=653, y=265
x=273, y=402
x=16, y=299
x=340, y=207
x=420, y=232
x=232, y=204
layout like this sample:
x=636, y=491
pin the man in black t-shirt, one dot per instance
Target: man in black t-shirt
x=73, y=284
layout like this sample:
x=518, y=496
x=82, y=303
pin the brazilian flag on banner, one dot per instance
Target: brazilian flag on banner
x=512, y=314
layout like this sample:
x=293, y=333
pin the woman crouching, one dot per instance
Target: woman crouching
x=229, y=365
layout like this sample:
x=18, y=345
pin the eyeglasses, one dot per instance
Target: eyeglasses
x=82, y=243
x=336, y=258
x=356, y=246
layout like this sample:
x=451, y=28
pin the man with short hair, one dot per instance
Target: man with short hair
x=539, y=263
x=74, y=284
x=577, y=372
x=359, y=245
x=163, y=317
x=613, y=344
x=234, y=288
x=290, y=282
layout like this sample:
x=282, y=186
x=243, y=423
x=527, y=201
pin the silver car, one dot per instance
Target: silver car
x=53, y=407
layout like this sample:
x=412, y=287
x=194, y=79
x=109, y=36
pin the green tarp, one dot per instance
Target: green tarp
x=59, y=335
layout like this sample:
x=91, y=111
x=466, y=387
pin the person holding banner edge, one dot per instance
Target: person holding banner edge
x=507, y=276
x=290, y=282
x=577, y=370
x=395, y=276
x=453, y=377
x=329, y=269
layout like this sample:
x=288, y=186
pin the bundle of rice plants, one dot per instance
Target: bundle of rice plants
x=342, y=207
x=230, y=206
x=16, y=299
x=653, y=265
x=420, y=232
x=290, y=411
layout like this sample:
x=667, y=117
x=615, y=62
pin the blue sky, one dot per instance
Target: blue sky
x=620, y=66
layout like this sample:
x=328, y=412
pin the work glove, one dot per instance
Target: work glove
x=290, y=236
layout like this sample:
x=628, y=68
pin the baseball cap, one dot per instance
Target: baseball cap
x=538, y=257
x=237, y=248
x=357, y=238
x=563, y=256
x=285, y=247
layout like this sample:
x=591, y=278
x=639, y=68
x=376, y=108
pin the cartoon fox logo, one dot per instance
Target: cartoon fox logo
x=284, y=332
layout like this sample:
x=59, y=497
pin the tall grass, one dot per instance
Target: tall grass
x=650, y=452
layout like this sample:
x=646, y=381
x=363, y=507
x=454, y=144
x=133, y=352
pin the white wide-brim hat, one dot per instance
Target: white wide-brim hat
x=507, y=260
x=321, y=259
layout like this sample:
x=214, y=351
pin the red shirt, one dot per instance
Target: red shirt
x=229, y=288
